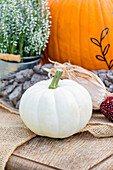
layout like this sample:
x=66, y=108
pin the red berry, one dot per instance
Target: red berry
x=106, y=108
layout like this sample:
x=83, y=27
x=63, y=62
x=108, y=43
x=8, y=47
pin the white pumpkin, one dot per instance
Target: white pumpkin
x=57, y=113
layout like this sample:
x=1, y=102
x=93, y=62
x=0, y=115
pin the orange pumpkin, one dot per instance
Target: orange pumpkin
x=74, y=23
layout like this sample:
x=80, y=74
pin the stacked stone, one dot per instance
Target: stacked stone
x=14, y=85
x=107, y=77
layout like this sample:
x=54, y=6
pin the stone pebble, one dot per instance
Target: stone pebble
x=107, y=77
x=14, y=85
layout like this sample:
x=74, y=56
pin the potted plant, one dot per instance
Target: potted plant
x=24, y=31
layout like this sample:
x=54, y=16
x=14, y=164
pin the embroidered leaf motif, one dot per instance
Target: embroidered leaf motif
x=105, y=51
x=95, y=41
x=104, y=33
x=106, y=48
x=99, y=57
x=111, y=64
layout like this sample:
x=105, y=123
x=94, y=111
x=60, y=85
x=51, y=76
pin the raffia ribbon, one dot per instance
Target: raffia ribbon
x=10, y=57
x=86, y=78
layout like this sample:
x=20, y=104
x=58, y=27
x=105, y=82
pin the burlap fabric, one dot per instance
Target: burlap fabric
x=13, y=132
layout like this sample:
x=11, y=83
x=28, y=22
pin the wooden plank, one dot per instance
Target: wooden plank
x=80, y=151
x=19, y=163
x=106, y=164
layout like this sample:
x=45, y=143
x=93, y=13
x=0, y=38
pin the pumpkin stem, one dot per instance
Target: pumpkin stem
x=56, y=78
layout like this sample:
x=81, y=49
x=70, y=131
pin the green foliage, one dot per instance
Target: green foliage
x=24, y=26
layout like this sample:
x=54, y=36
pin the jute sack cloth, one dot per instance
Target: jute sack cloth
x=14, y=133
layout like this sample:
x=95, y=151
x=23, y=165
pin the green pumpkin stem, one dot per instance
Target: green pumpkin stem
x=56, y=78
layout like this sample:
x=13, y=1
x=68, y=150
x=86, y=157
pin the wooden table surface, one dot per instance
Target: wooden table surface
x=45, y=154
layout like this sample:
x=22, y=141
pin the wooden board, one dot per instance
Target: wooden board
x=19, y=163
x=15, y=163
x=81, y=151
x=106, y=164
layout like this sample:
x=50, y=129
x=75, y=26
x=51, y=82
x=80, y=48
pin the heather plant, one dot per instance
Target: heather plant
x=24, y=26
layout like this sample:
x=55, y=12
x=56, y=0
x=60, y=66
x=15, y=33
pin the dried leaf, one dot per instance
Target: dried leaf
x=86, y=78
